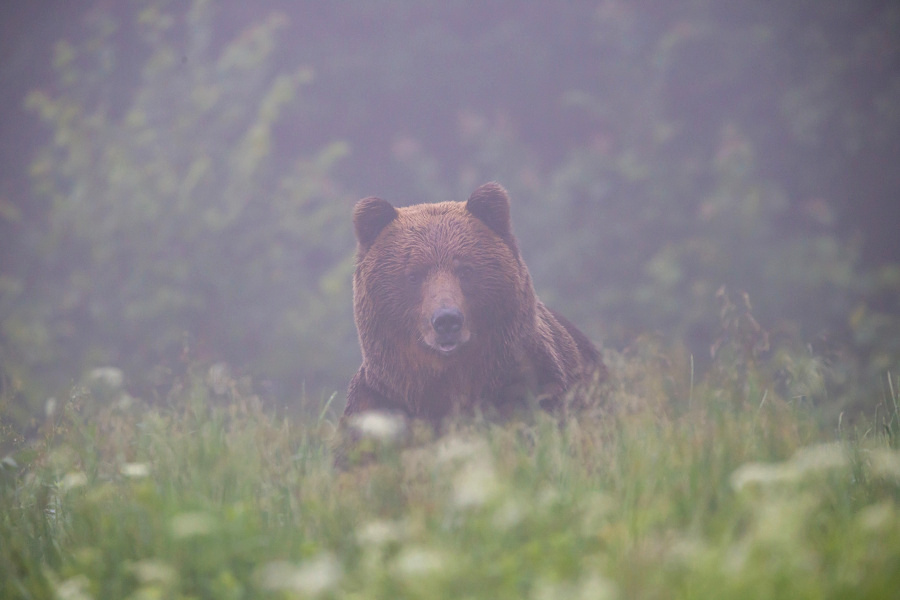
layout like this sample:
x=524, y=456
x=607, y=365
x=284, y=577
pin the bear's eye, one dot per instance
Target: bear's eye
x=414, y=277
x=465, y=272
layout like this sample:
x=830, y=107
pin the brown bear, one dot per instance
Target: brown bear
x=447, y=316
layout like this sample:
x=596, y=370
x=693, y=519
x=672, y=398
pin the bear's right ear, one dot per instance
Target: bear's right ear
x=370, y=216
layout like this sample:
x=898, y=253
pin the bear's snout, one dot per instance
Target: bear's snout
x=444, y=327
x=447, y=323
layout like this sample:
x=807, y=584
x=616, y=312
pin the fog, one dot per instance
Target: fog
x=177, y=179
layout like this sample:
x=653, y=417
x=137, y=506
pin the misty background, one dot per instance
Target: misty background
x=177, y=178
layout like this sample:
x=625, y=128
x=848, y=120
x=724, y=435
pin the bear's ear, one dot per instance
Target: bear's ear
x=490, y=203
x=370, y=216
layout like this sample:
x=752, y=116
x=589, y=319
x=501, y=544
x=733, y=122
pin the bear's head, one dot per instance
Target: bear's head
x=434, y=282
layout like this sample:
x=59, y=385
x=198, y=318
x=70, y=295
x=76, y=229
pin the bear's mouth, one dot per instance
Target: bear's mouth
x=445, y=332
x=447, y=348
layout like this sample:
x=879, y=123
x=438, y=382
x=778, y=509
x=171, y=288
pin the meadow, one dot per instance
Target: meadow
x=177, y=182
x=666, y=488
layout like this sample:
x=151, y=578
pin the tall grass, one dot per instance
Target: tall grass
x=674, y=488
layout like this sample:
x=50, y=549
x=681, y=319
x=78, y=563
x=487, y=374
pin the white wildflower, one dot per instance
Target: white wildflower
x=760, y=474
x=108, y=376
x=378, y=533
x=548, y=497
x=135, y=470
x=74, y=588
x=597, y=508
x=72, y=480
x=686, y=551
x=192, y=524
x=780, y=521
x=821, y=457
x=154, y=571
x=806, y=461
x=877, y=517
x=377, y=424
x=454, y=449
x=508, y=515
x=885, y=463
x=475, y=484
x=593, y=587
x=313, y=577
x=218, y=378
x=418, y=561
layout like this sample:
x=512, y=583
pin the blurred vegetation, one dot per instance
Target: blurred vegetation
x=686, y=488
x=174, y=233
x=189, y=201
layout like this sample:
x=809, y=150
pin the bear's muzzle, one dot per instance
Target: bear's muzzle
x=443, y=325
x=448, y=325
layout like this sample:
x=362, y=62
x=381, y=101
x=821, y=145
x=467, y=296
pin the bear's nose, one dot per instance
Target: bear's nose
x=447, y=321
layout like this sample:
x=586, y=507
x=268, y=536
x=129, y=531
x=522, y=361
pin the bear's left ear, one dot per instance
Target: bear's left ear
x=370, y=216
x=490, y=204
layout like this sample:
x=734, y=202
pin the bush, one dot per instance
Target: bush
x=174, y=233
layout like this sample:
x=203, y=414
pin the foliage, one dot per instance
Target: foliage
x=691, y=489
x=174, y=231
x=671, y=192
x=192, y=201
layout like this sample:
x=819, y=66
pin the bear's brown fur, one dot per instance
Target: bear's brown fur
x=447, y=315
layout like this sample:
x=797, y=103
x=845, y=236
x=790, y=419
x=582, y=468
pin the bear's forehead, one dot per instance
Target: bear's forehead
x=447, y=222
x=438, y=231
x=433, y=213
